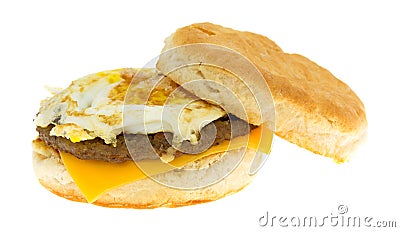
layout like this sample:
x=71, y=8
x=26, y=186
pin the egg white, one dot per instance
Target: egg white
x=93, y=106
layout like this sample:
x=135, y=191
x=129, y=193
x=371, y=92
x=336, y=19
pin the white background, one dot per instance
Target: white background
x=52, y=43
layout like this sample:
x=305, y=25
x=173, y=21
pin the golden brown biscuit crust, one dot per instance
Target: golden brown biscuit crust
x=314, y=109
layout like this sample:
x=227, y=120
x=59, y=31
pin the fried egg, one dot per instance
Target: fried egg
x=108, y=103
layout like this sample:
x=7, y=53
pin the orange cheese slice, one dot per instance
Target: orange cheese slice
x=94, y=177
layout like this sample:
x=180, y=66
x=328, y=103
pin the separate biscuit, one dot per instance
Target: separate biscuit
x=314, y=109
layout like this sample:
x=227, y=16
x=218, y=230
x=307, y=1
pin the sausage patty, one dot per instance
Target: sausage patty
x=149, y=146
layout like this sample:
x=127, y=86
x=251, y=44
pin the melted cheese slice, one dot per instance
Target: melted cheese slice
x=94, y=177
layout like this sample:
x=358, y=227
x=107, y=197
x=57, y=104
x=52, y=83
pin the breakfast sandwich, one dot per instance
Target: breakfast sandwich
x=195, y=128
x=134, y=138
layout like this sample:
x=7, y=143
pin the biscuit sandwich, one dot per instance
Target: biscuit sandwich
x=195, y=128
